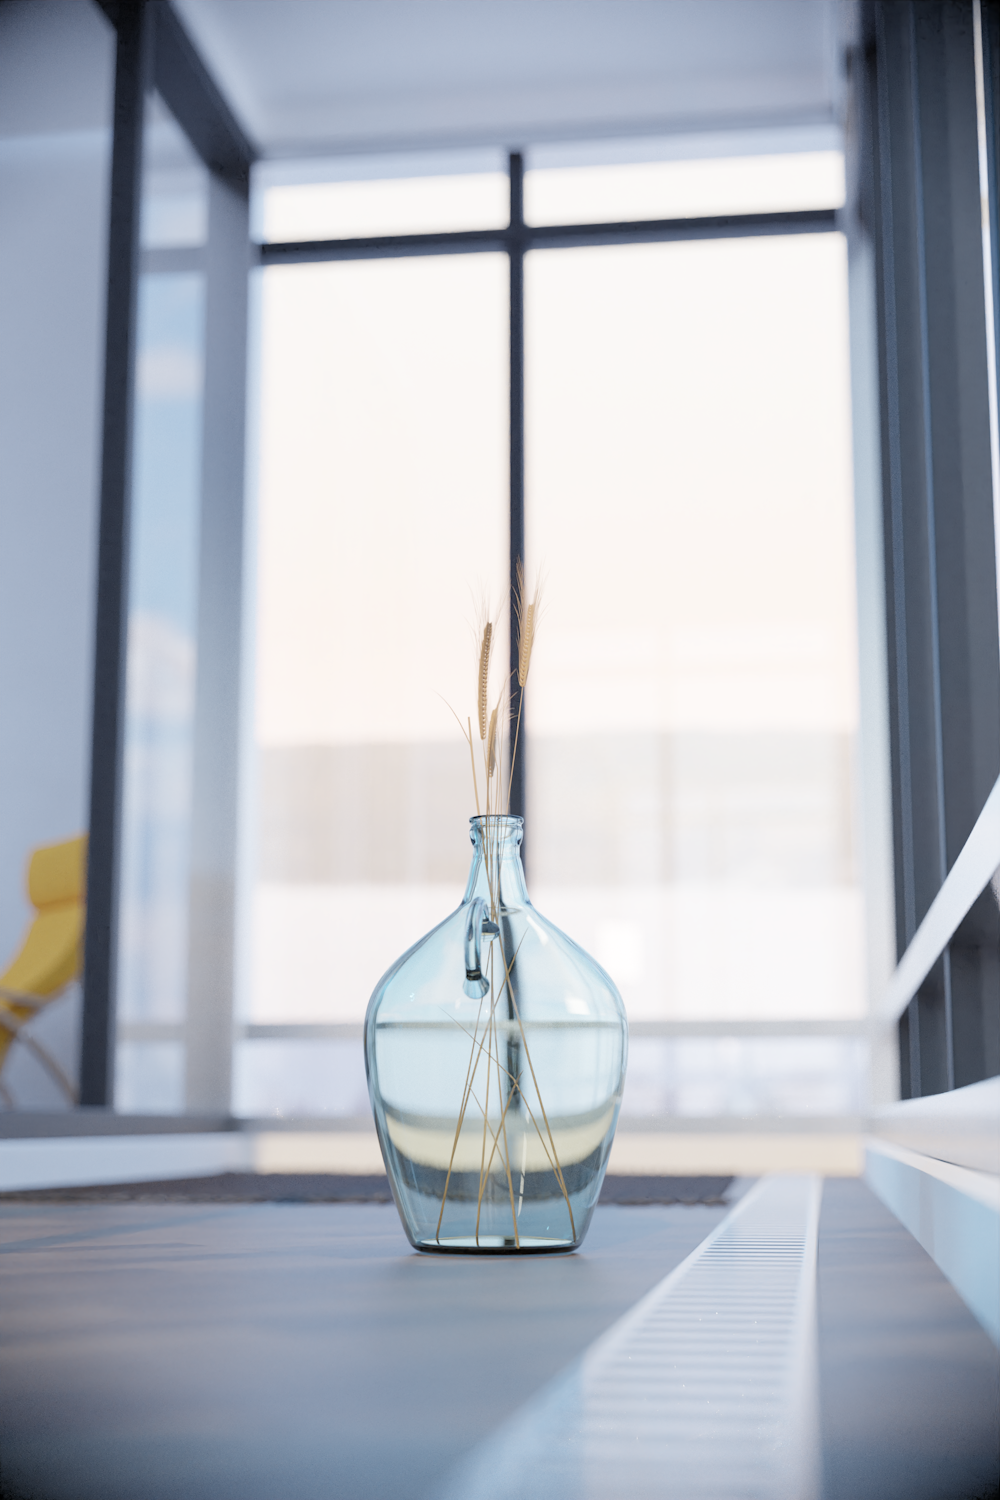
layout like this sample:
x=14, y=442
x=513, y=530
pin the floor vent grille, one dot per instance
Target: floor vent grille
x=706, y=1390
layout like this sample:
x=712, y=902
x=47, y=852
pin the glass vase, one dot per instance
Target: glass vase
x=495, y=1050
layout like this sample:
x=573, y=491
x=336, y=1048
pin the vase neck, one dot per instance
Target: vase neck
x=497, y=874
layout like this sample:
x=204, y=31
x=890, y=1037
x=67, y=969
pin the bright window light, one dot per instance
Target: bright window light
x=684, y=189
x=692, y=714
x=694, y=705
x=408, y=205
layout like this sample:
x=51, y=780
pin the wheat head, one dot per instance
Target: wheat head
x=484, y=674
x=527, y=625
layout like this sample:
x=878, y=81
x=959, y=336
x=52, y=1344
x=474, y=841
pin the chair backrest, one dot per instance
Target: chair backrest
x=51, y=954
x=57, y=873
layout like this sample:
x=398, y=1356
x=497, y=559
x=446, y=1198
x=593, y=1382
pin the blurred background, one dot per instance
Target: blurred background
x=705, y=737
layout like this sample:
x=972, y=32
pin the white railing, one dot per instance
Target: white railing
x=968, y=877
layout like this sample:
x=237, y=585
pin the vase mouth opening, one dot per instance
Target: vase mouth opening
x=502, y=827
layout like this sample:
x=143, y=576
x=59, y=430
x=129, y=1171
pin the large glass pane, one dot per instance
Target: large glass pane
x=159, y=722
x=392, y=195
x=694, y=706
x=57, y=65
x=383, y=520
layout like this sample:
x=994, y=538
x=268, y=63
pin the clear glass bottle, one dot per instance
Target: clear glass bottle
x=495, y=1050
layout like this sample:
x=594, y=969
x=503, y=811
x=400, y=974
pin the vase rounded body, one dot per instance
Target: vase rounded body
x=496, y=1050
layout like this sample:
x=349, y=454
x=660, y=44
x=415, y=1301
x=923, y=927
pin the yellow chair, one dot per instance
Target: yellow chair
x=51, y=956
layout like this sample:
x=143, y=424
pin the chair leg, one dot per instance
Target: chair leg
x=15, y=1028
x=41, y=1055
x=50, y=1065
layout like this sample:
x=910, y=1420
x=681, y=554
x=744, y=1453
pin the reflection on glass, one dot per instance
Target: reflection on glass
x=149, y=1077
x=689, y=1077
x=174, y=185
x=684, y=189
x=745, y=1077
x=296, y=1078
x=159, y=721
x=690, y=500
x=343, y=199
x=383, y=518
x=57, y=67
x=161, y=648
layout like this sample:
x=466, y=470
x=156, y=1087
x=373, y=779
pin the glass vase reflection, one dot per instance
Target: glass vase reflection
x=495, y=1050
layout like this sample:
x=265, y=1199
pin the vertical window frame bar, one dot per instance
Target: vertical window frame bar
x=134, y=65
x=515, y=253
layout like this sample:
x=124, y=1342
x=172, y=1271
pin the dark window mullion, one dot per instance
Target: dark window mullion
x=515, y=250
x=133, y=79
x=930, y=506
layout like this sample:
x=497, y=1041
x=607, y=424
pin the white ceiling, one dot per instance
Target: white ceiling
x=327, y=77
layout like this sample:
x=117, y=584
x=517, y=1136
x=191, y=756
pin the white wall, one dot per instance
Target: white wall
x=56, y=88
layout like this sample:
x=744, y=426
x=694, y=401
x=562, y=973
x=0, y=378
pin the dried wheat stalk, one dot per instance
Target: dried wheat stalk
x=527, y=613
x=486, y=1043
x=484, y=676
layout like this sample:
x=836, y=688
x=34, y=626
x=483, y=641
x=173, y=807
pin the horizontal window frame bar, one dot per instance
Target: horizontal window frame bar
x=39, y=1125
x=628, y=1125
x=179, y=260
x=150, y=1031
x=549, y=237
x=100, y=1120
x=353, y=1031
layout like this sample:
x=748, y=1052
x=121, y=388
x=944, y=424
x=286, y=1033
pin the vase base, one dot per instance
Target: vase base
x=494, y=1244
